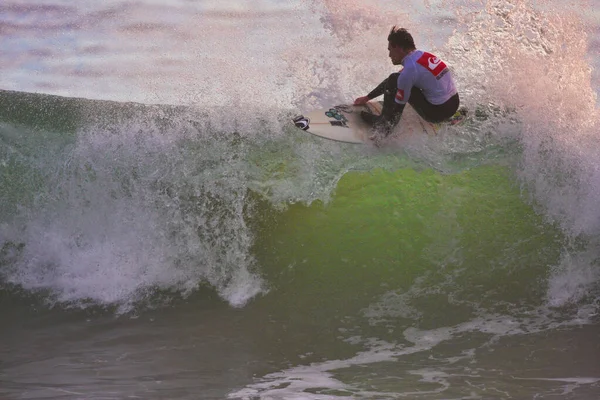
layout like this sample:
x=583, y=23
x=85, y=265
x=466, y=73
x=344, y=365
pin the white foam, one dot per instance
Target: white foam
x=572, y=279
x=577, y=380
x=126, y=214
x=536, y=61
x=306, y=380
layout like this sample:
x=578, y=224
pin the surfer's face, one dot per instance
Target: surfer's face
x=397, y=53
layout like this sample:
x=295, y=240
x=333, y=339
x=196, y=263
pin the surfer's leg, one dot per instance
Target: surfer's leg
x=391, y=112
x=431, y=112
x=419, y=103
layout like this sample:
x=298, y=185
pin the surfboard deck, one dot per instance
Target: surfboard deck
x=343, y=123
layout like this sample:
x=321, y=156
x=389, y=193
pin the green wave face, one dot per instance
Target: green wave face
x=458, y=244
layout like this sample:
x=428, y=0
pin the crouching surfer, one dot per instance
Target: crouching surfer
x=425, y=82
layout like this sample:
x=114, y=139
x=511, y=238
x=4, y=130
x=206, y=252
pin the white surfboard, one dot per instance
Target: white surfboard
x=344, y=123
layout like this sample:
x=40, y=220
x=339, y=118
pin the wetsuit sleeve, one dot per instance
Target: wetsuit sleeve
x=378, y=91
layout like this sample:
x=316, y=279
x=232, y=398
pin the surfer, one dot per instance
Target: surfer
x=425, y=82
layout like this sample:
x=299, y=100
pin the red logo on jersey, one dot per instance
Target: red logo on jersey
x=400, y=95
x=432, y=63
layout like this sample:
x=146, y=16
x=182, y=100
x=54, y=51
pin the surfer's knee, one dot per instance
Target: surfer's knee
x=391, y=87
x=392, y=82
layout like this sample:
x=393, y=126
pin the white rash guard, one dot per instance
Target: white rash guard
x=428, y=73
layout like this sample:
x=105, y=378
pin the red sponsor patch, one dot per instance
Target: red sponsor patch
x=435, y=65
x=400, y=95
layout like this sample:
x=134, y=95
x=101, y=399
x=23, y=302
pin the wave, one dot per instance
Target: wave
x=115, y=201
x=107, y=202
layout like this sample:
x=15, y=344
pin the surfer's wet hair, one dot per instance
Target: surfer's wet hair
x=400, y=37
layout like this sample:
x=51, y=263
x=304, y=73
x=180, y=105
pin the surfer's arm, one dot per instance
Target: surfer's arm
x=378, y=91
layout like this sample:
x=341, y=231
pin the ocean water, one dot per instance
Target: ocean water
x=165, y=233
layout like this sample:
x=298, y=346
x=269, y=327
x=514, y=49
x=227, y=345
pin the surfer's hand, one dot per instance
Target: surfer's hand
x=361, y=101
